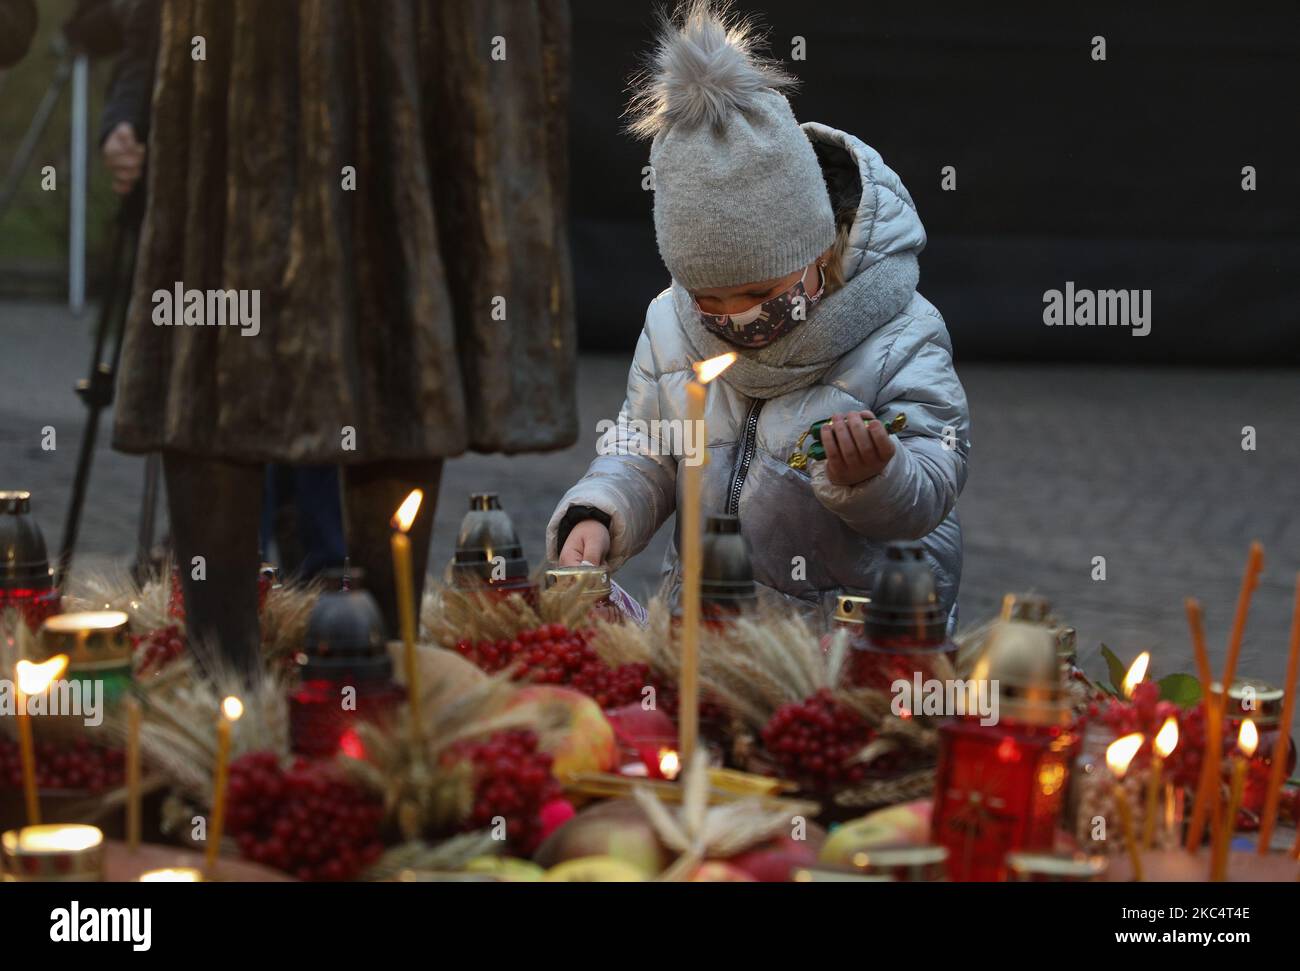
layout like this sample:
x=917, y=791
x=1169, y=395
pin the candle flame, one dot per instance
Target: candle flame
x=1121, y=752
x=181, y=874
x=53, y=838
x=1136, y=672
x=1167, y=738
x=670, y=763
x=232, y=708
x=87, y=620
x=706, y=371
x=1247, y=738
x=405, y=514
x=33, y=679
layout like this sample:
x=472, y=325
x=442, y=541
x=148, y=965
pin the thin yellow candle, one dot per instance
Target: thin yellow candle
x=1008, y=606
x=1118, y=756
x=405, y=586
x=231, y=709
x=1247, y=741
x=1277, y=771
x=1166, y=741
x=32, y=679
x=133, y=773
x=1207, y=785
x=689, y=714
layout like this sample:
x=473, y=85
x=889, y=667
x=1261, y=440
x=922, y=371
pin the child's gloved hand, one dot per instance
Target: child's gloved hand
x=855, y=451
x=588, y=542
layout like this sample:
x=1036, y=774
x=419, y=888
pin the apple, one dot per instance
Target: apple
x=775, y=860
x=907, y=824
x=508, y=868
x=716, y=871
x=616, y=828
x=633, y=724
x=594, y=869
x=588, y=745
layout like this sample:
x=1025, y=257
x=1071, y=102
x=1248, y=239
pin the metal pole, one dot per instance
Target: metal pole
x=77, y=193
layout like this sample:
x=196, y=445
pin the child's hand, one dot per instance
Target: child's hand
x=855, y=452
x=587, y=542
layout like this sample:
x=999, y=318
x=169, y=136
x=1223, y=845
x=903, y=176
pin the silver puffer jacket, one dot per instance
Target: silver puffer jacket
x=811, y=539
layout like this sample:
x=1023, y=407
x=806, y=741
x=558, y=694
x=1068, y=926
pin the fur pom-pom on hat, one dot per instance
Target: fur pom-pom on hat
x=705, y=67
x=739, y=193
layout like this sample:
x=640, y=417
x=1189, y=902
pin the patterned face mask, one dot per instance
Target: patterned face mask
x=764, y=322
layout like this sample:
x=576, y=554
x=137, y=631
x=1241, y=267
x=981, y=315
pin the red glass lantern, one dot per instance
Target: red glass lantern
x=489, y=556
x=904, y=631
x=26, y=580
x=1001, y=787
x=345, y=649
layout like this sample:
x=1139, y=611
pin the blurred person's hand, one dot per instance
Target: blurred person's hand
x=857, y=447
x=124, y=157
x=587, y=542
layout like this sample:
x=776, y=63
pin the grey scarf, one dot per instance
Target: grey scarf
x=836, y=324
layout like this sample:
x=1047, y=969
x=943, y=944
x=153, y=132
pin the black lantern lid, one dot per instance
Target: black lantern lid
x=487, y=533
x=345, y=639
x=905, y=601
x=24, y=563
x=726, y=571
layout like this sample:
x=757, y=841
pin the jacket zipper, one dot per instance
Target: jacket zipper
x=748, y=444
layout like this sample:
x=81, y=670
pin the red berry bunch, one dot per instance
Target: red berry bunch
x=309, y=820
x=553, y=654
x=33, y=607
x=513, y=780
x=158, y=648
x=176, y=597
x=813, y=740
x=76, y=764
x=1146, y=714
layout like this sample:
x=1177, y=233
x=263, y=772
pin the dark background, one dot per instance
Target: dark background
x=1123, y=174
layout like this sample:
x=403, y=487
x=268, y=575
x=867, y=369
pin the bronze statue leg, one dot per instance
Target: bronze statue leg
x=371, y=494
x=215, y=508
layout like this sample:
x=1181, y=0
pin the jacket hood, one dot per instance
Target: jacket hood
x=885, y=221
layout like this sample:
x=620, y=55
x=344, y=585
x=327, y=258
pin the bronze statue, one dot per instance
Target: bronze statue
x=383, y=188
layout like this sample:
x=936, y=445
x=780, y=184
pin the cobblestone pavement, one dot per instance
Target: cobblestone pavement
x=1144, y=467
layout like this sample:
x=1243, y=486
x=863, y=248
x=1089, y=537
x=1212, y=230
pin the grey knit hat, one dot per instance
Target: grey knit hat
x=739, y=194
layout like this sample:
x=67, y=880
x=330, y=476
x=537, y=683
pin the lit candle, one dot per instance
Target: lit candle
x=55, y=852
x=689, y=713
x=231, y=709
x=1118, y=756
x=1136, y=672
x=33, y=679
x=1247, y=741
x=670, y=764
x=1166, y=741
x=132, y=774
x=405, y=586
x=175, y=874
x=1277, y=771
